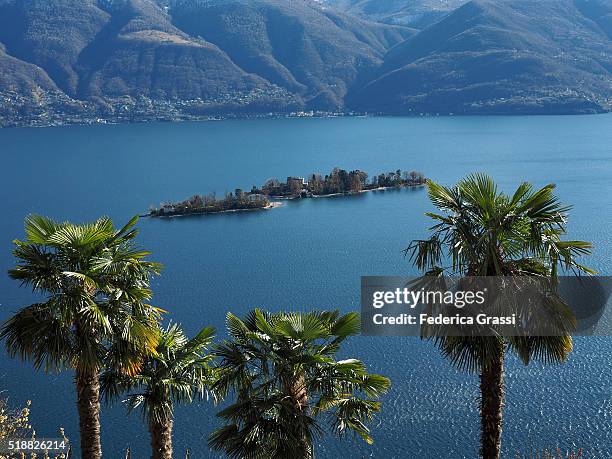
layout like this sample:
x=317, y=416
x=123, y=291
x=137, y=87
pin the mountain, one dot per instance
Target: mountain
x=109, y=49
x=220, y=56
x=67, y=61
x=413, y=13
x=600, y=11
x=21, y=77
x=500, y=56
x=309, y=51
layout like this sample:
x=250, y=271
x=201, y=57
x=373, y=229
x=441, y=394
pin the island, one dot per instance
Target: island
x=337, y=182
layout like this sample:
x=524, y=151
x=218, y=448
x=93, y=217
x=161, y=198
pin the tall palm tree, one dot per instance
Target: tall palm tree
x=93, y=283
x=283, y=371
x=178, y=372
x=484, y=232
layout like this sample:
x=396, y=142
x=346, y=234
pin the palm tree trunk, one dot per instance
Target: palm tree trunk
x=161, y=439
x=88, y=404
x=491, y=405
x=295, y=388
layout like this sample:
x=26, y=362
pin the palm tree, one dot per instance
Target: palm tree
x=484, y=232
x=283, y=372
x=178, y=372
x=94, y=284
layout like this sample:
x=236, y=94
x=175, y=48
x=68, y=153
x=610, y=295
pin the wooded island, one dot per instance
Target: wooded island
x=337, y=182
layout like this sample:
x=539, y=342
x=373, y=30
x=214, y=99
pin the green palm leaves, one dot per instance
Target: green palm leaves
x=284, y=375
x=481, y=231
x=94, y=317
x=484, y=232
x=95, y=285
x=179, y=372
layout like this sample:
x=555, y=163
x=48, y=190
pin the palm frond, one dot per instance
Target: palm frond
x=282, y=370
x=178, y=371
x=481, y=231
x=96, y=284
x=36, y=334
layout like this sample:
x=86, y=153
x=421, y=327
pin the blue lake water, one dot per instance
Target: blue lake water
x=310, y=255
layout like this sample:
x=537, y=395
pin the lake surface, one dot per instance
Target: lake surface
x=311, y=254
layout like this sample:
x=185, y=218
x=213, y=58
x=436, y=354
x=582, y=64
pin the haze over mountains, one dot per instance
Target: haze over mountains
x=77, y=60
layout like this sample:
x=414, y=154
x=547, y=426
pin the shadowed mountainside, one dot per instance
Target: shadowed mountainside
x=523, y=56
x=315, y=53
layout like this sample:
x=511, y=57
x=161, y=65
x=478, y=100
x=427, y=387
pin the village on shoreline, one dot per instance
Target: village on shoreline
x=338, y=182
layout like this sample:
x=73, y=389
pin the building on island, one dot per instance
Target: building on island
x=296, y=185
x=256, y=197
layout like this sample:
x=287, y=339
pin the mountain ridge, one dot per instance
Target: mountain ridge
x=128, y=60
x=497, y=56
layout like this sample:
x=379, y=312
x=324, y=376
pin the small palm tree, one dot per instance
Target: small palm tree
x=283, y=372
x=95, y=284
x=484, y=232
x=178, y=372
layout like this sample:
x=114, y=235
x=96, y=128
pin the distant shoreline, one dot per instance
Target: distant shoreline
x=10, y=124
